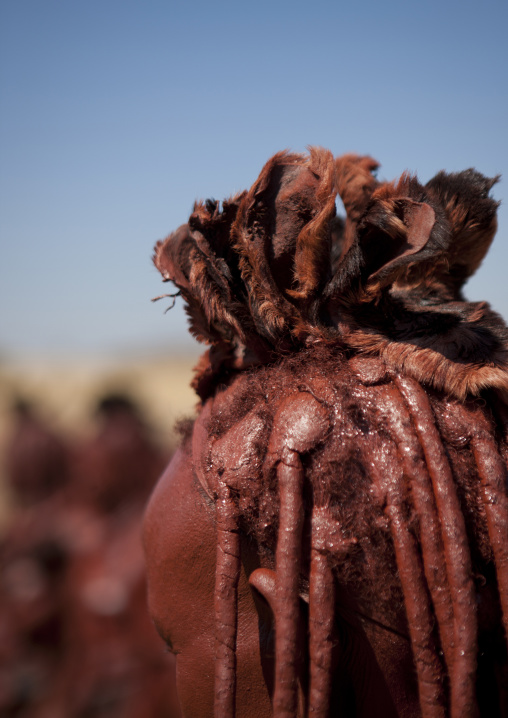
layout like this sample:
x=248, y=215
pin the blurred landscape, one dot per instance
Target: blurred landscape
x=64, y=393
x=82, y=443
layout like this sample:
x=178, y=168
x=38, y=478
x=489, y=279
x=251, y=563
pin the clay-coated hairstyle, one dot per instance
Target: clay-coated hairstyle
x=353, y=421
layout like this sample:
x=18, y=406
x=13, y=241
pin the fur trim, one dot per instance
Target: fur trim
x=274, y=270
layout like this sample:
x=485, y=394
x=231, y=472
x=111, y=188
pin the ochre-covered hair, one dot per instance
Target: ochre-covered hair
x=353, y=418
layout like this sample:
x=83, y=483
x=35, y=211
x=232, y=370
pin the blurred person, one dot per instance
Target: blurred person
x=34, y=558
x=116, y=667
x=75, y=637
x=36, y=459
x=118, y=467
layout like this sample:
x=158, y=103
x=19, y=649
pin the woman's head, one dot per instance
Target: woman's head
x=324, y=537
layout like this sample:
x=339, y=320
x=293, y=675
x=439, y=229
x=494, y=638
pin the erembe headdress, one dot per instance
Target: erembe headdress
x=343, y=354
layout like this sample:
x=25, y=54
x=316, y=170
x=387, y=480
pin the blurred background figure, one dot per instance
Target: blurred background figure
x=115, y=652
x=75, y=637
x=116, y=469
x=97, y=165
x=37, y=460
x=34, y=568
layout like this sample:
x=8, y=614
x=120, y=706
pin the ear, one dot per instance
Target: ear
x=471, y=213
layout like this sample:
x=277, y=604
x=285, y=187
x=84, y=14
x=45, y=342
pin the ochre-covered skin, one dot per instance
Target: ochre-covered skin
x=331, y=540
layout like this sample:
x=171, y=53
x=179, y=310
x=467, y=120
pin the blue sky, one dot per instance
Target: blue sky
x=115, y=115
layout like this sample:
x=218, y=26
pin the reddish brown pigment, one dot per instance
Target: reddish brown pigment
x=345, y=479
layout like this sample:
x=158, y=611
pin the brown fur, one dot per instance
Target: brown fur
x=258, y=276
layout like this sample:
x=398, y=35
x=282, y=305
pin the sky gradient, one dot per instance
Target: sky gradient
x=116, y=115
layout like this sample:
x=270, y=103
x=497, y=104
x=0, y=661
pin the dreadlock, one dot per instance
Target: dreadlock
x=353, y=420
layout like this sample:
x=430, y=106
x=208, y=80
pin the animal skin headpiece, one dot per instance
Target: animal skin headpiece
x=274, y=269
